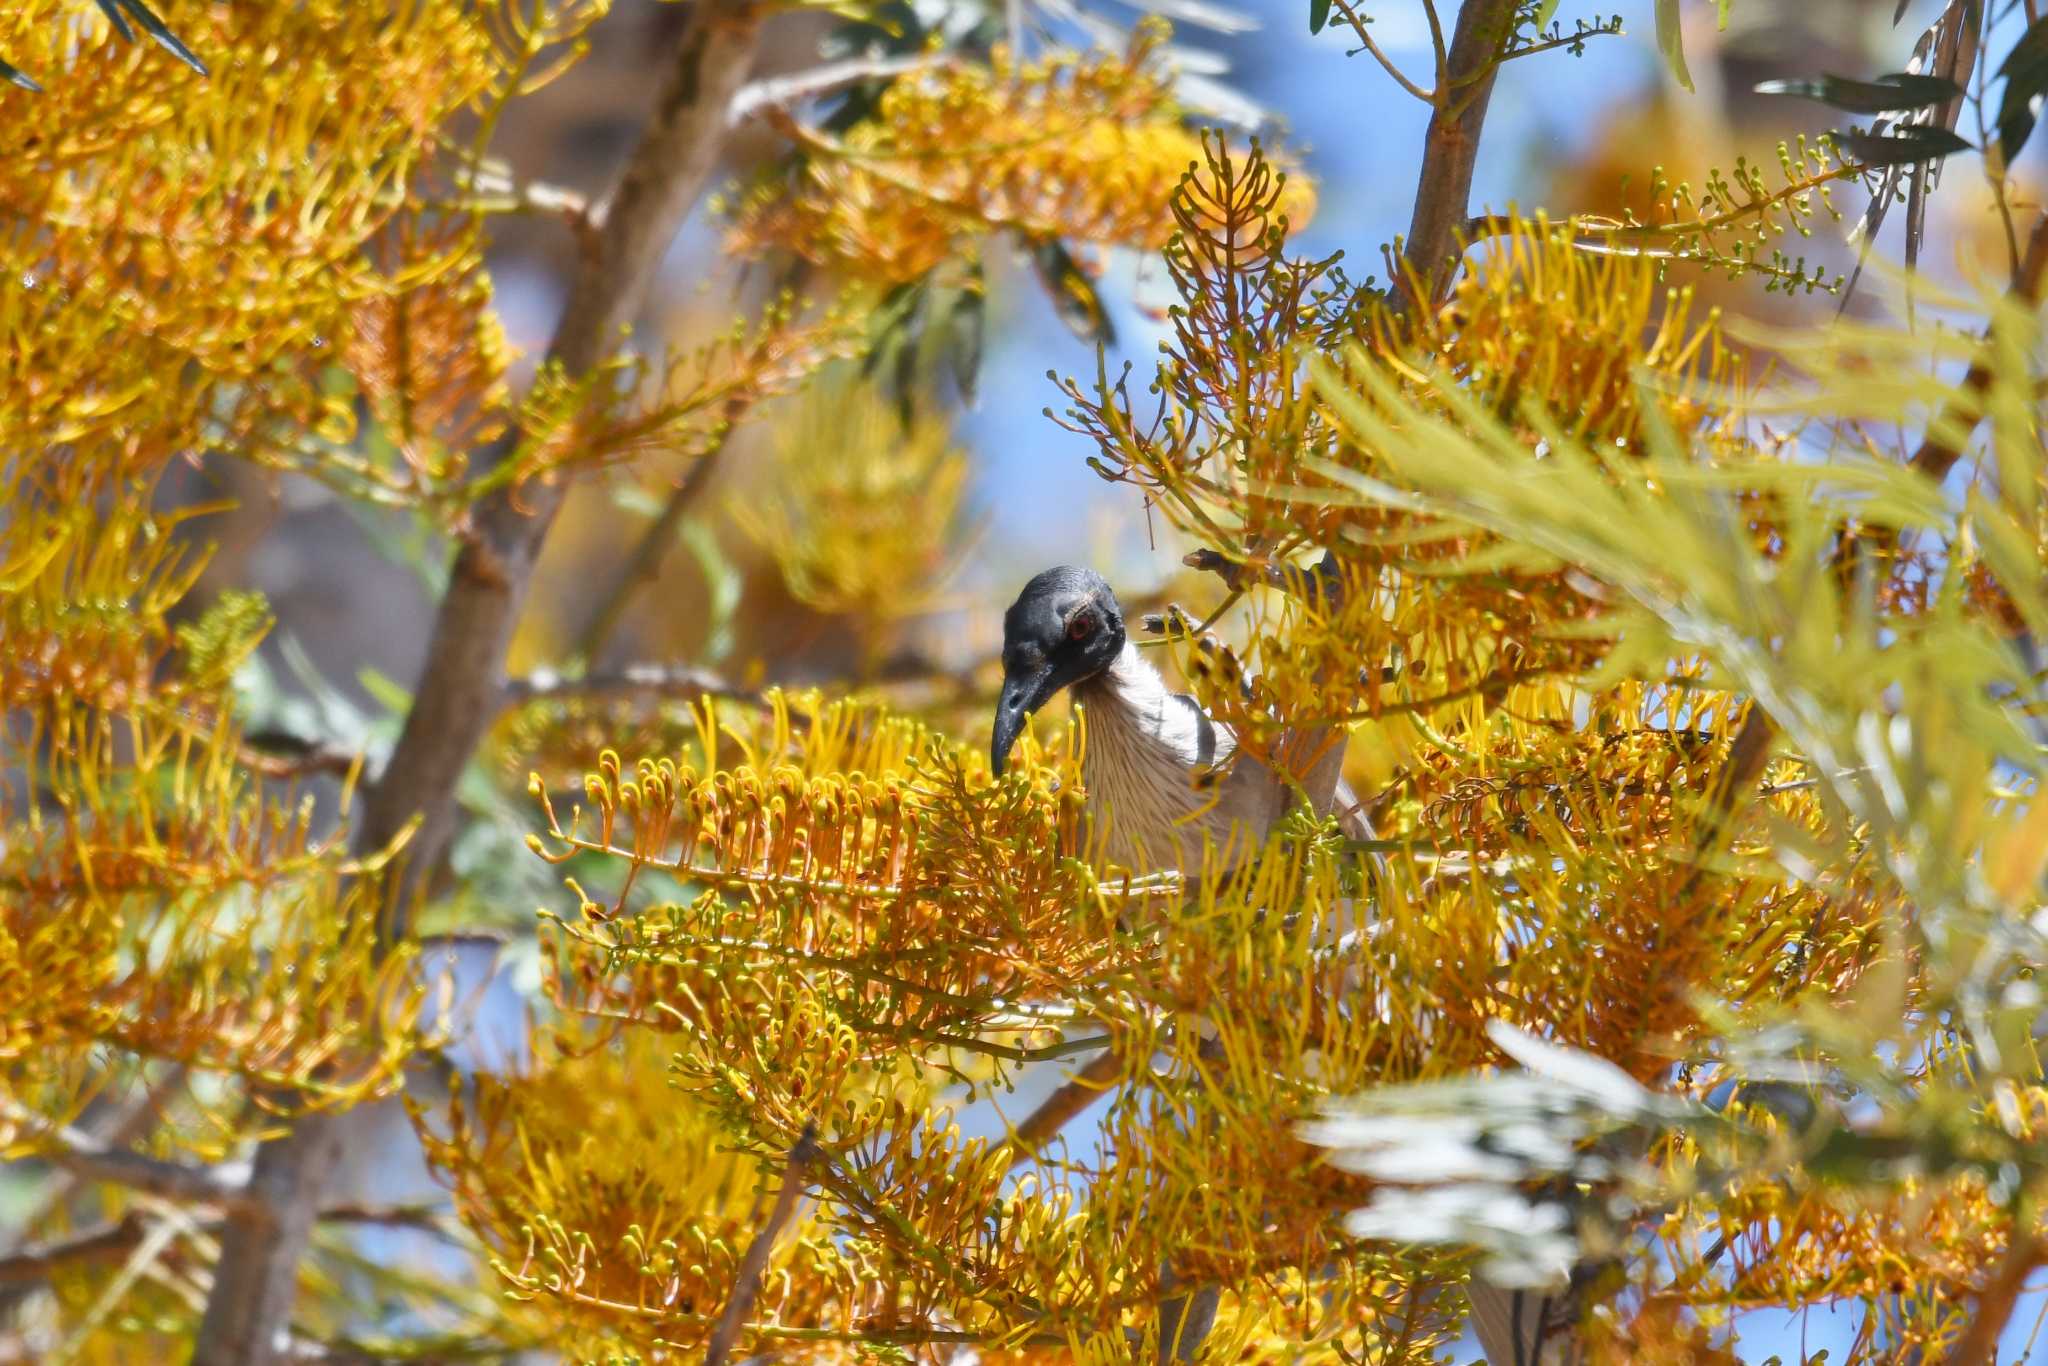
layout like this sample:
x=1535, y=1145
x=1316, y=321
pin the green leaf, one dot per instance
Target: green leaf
x=1897, y=92
x=1721, y=9
x=1318, y=15
x=967, y=332
x=1072, y=291
x=384, y=690
x=1908, y=143
x=723, y=583
x=2025, y=70
x=1671, y=41
x=1545, y=12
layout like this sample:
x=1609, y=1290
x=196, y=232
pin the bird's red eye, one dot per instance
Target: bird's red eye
x=1082, y=626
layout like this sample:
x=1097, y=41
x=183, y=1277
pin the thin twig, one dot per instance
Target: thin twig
x=225, y=1186
x=1358, y=25
x=281, y=754
x=1436, y=43
x=1074, y=1095
x=37, y=1262
x=748, y=1286
x=780, y=92
x=643, y=566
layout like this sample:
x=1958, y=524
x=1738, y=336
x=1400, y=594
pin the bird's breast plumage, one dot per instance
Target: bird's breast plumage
x=1147, y=752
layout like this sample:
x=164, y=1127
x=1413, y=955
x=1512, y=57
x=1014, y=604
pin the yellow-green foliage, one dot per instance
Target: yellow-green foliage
x=861, y=509
x=1082, y=148
x=1696, y=731
x=1565, y=560
x=156, y=896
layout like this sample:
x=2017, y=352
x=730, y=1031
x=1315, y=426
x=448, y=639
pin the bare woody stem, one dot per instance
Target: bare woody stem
x=1057, y=1110
x=1999, y=1297
x=1951, y=429
x=1450, y=150
x=91, y=1158
x=748, y=1286
x=249, y=1310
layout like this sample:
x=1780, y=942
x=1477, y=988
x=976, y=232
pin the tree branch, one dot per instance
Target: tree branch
x=748, y=1285
x=1995, y=1302
x=644, y=563
x=1952, y=427
x=96, y=1159
x=1074, y=1095
x=38, y=1261
x=782, y=91
x=1451, y=149
x=249, y=1311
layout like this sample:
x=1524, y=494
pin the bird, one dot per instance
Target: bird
x=1148, y=756
x=1150, y=751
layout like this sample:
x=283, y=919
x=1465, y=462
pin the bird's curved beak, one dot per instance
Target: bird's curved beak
x=1023, y=693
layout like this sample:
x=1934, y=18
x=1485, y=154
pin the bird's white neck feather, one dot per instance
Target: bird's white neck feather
x=1145, y=744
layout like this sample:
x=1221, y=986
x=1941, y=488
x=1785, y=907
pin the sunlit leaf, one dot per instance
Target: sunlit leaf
x=1671, y=41
x=1895, y=92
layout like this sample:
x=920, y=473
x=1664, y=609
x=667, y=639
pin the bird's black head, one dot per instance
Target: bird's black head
x=1064, y=627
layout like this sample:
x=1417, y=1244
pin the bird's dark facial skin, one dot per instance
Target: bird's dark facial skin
x=1064, y=628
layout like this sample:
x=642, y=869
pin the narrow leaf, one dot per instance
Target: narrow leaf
x=157, y=29
x=112, y=9
x=10, y=72
x=2025, y=70
x=967, y=326
x=1072, y=292
x=1318, y=15
x=1591, y=1076
x=1913, y=142
x=1897, y=92
x=1671, y=41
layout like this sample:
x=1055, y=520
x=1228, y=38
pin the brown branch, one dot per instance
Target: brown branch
x=92, y=1158
x=1953, y=425
x=1074, y=1095
x=461, y=683
x=37, y=1262
x=751, y=1266
x=1450, y=150
x=644, y=564
x=1978, y=1345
